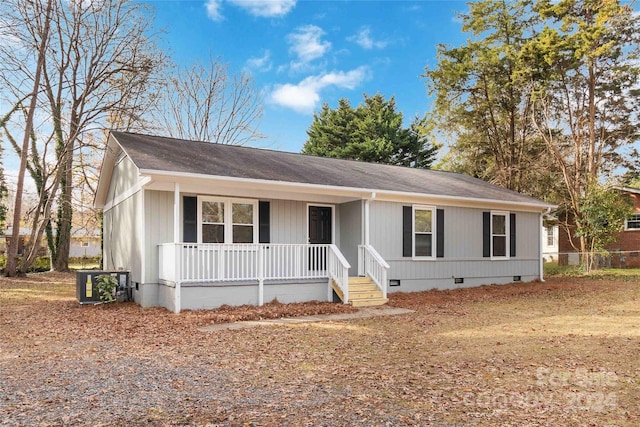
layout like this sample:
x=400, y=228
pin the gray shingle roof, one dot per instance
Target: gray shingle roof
x=156, y=153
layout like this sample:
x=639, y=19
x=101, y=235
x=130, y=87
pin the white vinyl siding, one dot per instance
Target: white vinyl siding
x=125, y=176
x=351, y=216
x=462, y=250
x=122, y=243
x=289, y=221
x=158, y=222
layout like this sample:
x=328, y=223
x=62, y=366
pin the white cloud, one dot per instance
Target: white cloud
x=262, y=63
x=213, y=10
x=304, y=97
x=306, y=44
x=260, y=8
x=363, y=39
x=265, y=8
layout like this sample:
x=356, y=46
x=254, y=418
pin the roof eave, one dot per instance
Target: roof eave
x=106, y=171
x=363, y=193
x=629, y=189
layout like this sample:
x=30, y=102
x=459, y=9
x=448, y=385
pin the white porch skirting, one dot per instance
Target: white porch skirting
x=183, y=265
x=202, y=296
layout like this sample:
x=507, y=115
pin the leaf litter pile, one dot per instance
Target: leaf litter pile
x=563, y=352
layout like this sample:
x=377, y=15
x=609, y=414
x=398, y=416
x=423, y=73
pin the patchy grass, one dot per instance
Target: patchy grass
x=563, y=352
x=37, y=287
x=622, y=273
x=555, y=269
x=84, y=266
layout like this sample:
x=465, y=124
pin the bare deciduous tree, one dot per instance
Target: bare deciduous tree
x=206, y=103
x=100, y=62
x=12, y=250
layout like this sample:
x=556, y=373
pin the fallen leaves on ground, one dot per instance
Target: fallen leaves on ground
x=562, y=352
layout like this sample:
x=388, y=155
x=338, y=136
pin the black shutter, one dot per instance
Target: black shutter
x=264, y=217
x=407, y=231
x=512, y=235
x=440, y=233
x=486, y=234
x=190, y=219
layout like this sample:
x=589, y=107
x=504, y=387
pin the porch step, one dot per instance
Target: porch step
x=368, y=302
x=359, y=280
x=363, y=287
x=362, y=293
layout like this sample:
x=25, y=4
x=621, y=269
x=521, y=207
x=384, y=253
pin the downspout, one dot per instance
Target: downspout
x=542, y=214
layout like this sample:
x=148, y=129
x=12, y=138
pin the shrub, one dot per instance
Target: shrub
x=85, y=260
x=106, y=286
x=41, y=264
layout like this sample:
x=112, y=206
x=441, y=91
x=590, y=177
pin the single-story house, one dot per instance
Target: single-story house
x=84, y=243
x=200, y=225
x=624, y=251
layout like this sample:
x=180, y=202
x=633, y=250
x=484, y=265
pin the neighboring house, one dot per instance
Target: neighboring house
x=625, y=250
x=200, y=225
x=24, y=236
x=85, y=243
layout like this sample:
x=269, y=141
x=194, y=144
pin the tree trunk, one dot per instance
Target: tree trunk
x=61, y=262
x=12, y=250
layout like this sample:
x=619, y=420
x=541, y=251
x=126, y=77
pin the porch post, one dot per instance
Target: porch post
x=260, y=274
x=176, y=213
x=176, y=240
x=366, y=221
x=366, y=218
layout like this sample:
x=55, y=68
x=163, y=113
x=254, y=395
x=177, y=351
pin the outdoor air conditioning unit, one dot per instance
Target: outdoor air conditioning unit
x=86, y=280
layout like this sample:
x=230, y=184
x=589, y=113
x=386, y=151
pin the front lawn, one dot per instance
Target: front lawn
x=563, y=352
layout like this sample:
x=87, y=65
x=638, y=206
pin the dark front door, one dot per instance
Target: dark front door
x=319, y=233
x=319, y=225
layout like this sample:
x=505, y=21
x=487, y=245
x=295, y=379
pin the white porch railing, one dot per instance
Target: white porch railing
x=339, y=271
x=371, y=264
x=215, y=262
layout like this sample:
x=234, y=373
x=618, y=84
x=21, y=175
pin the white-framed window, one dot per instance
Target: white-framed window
x=424, y=230
x=226, y=220
x=499, y=235
x=551, y=239
x=633, y=222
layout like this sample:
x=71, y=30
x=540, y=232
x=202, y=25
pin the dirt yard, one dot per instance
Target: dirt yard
x=564, y=352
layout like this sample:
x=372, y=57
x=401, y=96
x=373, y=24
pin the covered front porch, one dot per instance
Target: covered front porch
x=270, y=265
x=247, y=246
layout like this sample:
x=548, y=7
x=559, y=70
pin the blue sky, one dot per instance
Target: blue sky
x=304, y=53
